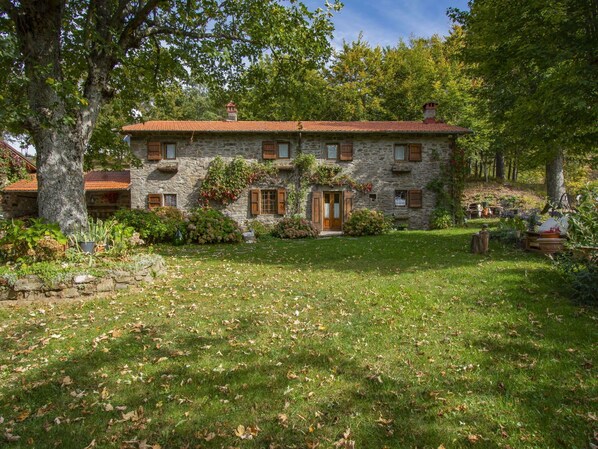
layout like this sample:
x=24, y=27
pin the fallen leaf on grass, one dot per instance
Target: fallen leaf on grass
x=23, y=415
x=473, y=438
x=246, y=433
x=66, y=381
x=10, y=437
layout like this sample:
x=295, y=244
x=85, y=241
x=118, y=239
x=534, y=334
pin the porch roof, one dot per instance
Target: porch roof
x=94, y=181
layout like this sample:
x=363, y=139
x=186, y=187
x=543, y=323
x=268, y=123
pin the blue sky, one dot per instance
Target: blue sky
x=385, y=22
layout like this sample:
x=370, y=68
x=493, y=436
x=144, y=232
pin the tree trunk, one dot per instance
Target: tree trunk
x=61, y=197
x=500, y=166
x=510, y=168
x=555, y=180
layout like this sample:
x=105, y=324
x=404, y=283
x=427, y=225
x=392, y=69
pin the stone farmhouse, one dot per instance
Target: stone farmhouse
x=397, y=158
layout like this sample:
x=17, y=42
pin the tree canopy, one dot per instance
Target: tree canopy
x=64, y=60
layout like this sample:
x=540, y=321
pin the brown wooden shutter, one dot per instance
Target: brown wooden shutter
x=154, y=200
x=154, y=151
x=281, y=205
x=316, y=209
x=269, y=150
x=414, y=198
x=254, y=200
x=347, y=204
x=415, y=152
x=346, y=153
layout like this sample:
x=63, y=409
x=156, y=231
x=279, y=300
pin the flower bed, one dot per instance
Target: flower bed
x=62, y=281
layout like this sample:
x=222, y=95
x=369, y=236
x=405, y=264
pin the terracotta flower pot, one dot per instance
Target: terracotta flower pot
x=550, y=235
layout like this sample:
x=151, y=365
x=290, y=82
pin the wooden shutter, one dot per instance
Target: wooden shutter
x=347, y=204
x=316, y=209
x=346, y=153
x=154, y=200
x=281, y=204
x=414, y=198
x=254, y=200
x=415, y=152
x=269, y=150
x=154, y=151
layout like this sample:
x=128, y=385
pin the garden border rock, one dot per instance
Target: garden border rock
x=32, y=287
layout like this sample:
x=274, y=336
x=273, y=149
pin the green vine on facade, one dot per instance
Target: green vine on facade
x=11, y=170
x=449, y=186
x=225, y=182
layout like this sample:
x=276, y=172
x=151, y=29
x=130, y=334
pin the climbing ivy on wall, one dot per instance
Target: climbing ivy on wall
x=11, y=170
x=449, y=186
x=225, y=182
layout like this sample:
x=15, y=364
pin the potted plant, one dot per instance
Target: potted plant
x=552, y=233
x=83, y=239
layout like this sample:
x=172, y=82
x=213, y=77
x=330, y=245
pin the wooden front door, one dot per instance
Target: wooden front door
x=333, y=214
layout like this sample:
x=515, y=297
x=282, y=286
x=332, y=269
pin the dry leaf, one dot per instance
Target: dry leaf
x=67, y=381
x=473, y=438
x=10, y=437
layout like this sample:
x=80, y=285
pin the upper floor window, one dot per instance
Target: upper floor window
x=339, y=151
x=158, y=150
x=332, y=151
x=400, y=152
x=408, y=152
x=276, y=150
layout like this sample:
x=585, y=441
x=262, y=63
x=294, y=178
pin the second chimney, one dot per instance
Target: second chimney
x=430, y=112
x=231, y=112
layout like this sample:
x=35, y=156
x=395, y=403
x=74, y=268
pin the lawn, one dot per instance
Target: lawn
x=399, y=341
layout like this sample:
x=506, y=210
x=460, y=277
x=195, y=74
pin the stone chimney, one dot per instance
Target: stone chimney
x=430, y=112
x=231, y=111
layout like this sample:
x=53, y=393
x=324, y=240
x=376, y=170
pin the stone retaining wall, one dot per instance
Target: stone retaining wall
x=31, y=287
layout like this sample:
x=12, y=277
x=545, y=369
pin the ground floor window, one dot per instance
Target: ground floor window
x=158, y=200
x=170, y=200
x=400, y=198
x=269, y=202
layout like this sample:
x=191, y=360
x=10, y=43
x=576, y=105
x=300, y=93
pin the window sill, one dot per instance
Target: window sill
x=168, y=166
x=401, y=167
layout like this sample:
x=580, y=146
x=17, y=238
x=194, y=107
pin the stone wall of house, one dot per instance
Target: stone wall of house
x=373, y=160
x=16, y=205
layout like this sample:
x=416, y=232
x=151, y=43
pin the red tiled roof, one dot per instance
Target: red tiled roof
x=294, y=126
x=94, y=181
x=14, y=154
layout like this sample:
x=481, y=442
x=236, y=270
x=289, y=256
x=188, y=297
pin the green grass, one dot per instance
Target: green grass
x=407, y=340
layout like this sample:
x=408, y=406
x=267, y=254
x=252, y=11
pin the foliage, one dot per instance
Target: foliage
x=333, y=176
x=539, y=83
x=206, y=225
x=225, y=182
x=581, y=271
x=441, y=219
x=37, y=241
x=151, y=227
x=367, y=222
x=583, y=222
x=12, y=169
x=260, y=229
x=294, y=228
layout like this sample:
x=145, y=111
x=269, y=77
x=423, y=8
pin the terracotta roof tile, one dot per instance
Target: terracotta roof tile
x=294, y=126
x=94, y=181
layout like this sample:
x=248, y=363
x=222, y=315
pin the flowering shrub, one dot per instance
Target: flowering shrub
x=367, y=222
x=207, y=225
x=224, y=183
x=294, y=228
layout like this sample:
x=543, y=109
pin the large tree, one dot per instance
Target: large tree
x=538, y=60
x=63, y=60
